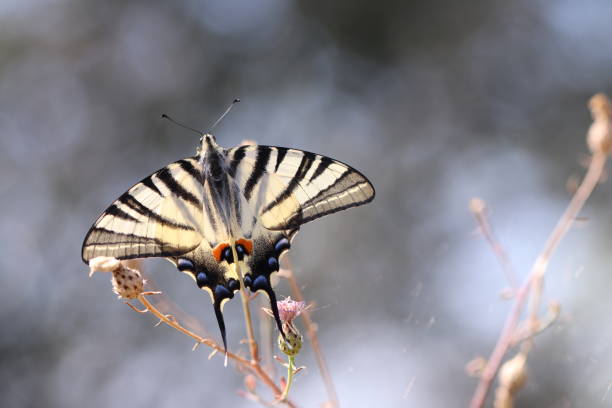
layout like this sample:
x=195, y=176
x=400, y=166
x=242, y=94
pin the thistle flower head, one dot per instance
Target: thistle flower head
x=289, y=309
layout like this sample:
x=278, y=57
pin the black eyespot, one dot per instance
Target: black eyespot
x=281, y=245
x=240, y=251
x=202, y=279
x=260, y=283
x=227, y=255
x=273, y=264
x=248, y=281
x=233, y=285
x=221, y=292
x=184, y=265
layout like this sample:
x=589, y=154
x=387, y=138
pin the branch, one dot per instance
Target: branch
x=479, y=209
x=599, y=140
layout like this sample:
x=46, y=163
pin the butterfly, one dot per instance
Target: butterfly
x=225, y=212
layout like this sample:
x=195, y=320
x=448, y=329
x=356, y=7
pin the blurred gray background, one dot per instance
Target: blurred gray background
x=436, y=102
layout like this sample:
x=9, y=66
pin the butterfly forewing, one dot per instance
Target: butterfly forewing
x=289, y=187
x=159, y=216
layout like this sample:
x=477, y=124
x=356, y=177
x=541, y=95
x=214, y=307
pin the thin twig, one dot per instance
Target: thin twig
x=175, y=325
x=590, y=181
x=479, y=209
x=503, y=343
x=266, y=342
x=311, y=332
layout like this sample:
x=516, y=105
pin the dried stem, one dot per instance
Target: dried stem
x=479, y=209
x=244, y=298
x=266, y=341
x=599, y=140
x=311, y=332
x=538, y=270
x=253, y=366
x=502, y=346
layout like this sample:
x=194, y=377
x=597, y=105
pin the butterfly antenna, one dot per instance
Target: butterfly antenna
x=235, y=101
x=164, y=116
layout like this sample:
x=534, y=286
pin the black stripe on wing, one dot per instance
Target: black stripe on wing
x=239, y=154
x=141, y=209
x=323, y=165
x=190, y=168
x=307, y=160
x=303, y=219
x=281, y=152
x=108, y=238
x=119, y=213
x=149, y=183
x=261, y=162
x=166, y=177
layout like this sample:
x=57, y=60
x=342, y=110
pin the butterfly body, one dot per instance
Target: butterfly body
x=226, y=215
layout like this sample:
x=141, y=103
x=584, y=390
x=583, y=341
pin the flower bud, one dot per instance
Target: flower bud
x=292, y=346
x=599, y=137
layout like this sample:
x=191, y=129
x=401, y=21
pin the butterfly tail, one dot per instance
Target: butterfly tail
x=274, y=308
x=221, y=323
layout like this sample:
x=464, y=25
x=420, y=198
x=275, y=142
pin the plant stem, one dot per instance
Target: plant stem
x=311, y=332
x=244, y=298
x=290, y=372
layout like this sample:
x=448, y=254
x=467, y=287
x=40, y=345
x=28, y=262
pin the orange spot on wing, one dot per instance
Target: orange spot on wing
x=247, y=244
x=218, y=250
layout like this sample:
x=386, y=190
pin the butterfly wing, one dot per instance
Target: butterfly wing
x=168, y=214
x=161, y=216
x=285, y=188
x=289, y=187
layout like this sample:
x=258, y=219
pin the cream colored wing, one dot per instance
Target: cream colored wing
x=160, y=216
x=289, y=187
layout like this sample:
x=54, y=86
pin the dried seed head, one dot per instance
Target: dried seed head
x=477, y=205
x=127, y=282
x=512, y=377
x=599, y=137
x=513, y=374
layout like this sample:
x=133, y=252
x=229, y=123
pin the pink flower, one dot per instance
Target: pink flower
x=289, y=309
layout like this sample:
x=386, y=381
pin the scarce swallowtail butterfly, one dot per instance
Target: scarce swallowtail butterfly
x=224, y=212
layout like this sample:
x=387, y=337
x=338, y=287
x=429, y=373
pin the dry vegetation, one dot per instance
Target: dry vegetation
x=128, y=284
x=512, y=373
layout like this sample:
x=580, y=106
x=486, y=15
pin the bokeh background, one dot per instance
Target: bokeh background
x=435, y=101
